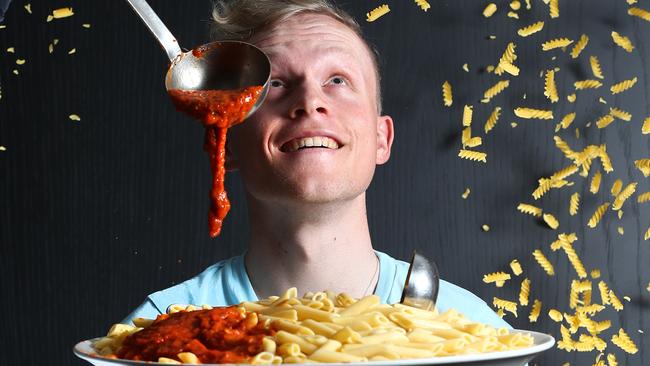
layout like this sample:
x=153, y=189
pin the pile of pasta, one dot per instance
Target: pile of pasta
x=325, y=327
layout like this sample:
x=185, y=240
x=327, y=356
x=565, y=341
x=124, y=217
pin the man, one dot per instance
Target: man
x=306, y=158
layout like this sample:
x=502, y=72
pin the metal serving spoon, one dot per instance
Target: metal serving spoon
x=422, y=283
x=218, y=65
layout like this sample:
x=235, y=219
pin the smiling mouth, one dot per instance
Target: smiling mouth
x=321, y=142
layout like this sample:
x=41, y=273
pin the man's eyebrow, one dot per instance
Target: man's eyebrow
x=345, y=57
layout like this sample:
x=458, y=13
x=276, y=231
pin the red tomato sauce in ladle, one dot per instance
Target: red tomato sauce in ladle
x=218, y=110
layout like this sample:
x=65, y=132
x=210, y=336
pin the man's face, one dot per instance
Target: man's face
x=322, y=86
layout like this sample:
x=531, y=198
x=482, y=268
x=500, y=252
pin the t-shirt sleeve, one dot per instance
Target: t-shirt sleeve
x=146, y=310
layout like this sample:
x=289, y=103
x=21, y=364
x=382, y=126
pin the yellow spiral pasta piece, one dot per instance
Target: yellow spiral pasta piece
x=529, y=113
x=507, y=60
x=473, y=142
x=579, y=46
x=604, y=292
x=535, y=311
x=601, y=152
x=377, y=12
x=623, y=341
x=645, y=129
x=556, y=43
x=466, y=135
x=594, y=187
x=446, y=94
x=544, y=186
x=530, y=209
x=640, y=13
x=587, y=84
x=489, y=10
x=531, y=29
x=622, y=42
x=575, y=261
x=564, y=147
x=626, y=193
x=550, y=89
x=551, y=221
x=615, y=301
x=574, y=204
x=555, y=315
x=496, y=277
x=524, y=292
x=598, y=214
x=468, y=112
x=623, y=86
x=473, y=155
x=620, y=114
x=611, y=359
x=423, y=4
x=595, y=67
x=565, y=172
x=605, y=121
x=544, y=262
x=592, y=310
x=554, y=8
x=495, y=90
x=644, y=166
x=515, y=266
x=567, y=120
x=616, y=187
x=571, y=98
x=643, y=198
x=506, y=305
x=493, y=119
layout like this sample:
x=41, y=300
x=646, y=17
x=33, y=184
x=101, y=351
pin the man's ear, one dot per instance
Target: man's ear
x=231, y=160
x=385, y=136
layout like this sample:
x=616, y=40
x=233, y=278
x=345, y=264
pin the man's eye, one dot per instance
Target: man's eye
x=338, y=80
x=275, y=83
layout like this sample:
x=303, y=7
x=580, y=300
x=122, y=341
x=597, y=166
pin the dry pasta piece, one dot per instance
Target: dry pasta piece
x=377, y=12
x=565, y=172
x=575, y=261
x=506, y=305
x=622, y=42
x=644, y=166
x=551, y=221
x=605, y=121
x=529, y=113
x=604, y=292
x=567, y=120
x=556, y=43
x=531, y=29
x=646, y=236
x=473, y=155
x=524, y=292
x=495, y=90
x=626, y=193
x=498, y=278
x=611, y=359
x=643, y=198
x=489, y=10
x=645, y=129
x=535, y=311
x=554, y=8
x=516, y=267
x=595, y=67
x=620, y=114
x=564, y=147
x=492, y=120
x=555, y=315
x=601, y=152
x=571, y=98
x=543, y=262
x=466, y=193
x=614, y=300
x=598, y=214
x=550, y=89
x=638, y=12
x=616, y=187
x=579, y=46
x=446, y=94
x=574, y=204
x=468, y=112
x=515, y=5
x=595, y=183
x=506, y=62
x=623, y=341
x=623, y=85
x=423, y=4
x=466, y=135
x=62, y=13
x=595, y=273
x=530, y=209
x=587, y=84
x=512, y=14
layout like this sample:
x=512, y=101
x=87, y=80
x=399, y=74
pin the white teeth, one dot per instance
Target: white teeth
x=317, y=141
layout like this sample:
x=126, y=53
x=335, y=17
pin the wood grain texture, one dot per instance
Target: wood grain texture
x=97, y=214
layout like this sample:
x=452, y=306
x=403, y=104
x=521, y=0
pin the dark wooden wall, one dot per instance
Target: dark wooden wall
x=96, y=214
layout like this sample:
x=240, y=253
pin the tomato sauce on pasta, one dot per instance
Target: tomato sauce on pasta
x=218, y=335
x=218, y=110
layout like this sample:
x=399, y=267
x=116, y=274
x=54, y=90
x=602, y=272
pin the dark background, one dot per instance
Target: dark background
x=96, y=214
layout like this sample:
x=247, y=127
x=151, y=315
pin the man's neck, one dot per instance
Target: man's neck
x=323, y=247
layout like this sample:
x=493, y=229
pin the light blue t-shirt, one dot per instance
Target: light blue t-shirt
x=226, y=283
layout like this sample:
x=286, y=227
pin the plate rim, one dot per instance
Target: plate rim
x=547, y=342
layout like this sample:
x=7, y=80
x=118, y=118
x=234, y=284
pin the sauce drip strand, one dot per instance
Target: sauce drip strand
x=218, y=335
x=218, y=110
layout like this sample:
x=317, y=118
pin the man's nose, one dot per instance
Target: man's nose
x=309, y=100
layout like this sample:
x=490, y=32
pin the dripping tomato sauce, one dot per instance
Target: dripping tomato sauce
x=218, y=335
x=218, y=110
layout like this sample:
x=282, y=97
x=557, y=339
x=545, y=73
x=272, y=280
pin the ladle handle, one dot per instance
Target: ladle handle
x=157, y=27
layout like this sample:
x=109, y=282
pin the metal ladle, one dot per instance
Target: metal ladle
x=223, y=65
x=422, y=283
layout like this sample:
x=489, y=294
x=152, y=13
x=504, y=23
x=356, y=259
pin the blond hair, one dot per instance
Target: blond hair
x=240, y=19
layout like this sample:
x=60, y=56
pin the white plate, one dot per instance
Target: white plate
x=518, y=357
